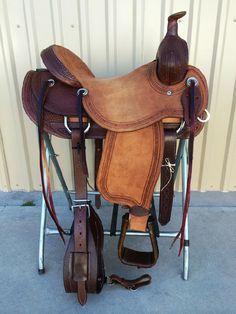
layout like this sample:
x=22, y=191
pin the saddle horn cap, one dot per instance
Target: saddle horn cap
x=172, y=54
x=172, y=27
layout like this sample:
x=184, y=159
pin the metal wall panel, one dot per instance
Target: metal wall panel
x=114, y=37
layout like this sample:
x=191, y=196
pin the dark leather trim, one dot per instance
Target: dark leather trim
x=167, y=178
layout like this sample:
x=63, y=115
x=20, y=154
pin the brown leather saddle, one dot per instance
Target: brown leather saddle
x=132, y=112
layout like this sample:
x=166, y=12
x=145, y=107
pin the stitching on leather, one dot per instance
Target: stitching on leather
x=56, y=63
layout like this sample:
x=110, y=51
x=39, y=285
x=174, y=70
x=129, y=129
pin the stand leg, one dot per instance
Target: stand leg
x=113, y=226
x=180, y=152
x=154, y=215
x=42, y=234
x=186, y=234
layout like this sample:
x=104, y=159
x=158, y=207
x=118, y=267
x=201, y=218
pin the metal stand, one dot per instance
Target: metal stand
x=44, y=230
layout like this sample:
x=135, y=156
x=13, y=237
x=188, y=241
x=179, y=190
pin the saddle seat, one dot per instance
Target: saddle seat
x=125, y=103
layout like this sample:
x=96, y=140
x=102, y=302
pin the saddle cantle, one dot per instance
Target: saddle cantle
x=140, y=115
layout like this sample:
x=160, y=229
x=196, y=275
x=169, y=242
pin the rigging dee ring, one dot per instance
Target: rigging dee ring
x=69, y=130
x=208, y=116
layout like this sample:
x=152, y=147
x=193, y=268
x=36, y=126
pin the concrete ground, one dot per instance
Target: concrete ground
x=211, y=287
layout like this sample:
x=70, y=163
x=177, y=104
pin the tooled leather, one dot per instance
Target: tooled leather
x=57, y=64
x=53, y=121
x=65, y=65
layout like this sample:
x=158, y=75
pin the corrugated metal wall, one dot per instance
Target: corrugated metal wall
x=114, y=37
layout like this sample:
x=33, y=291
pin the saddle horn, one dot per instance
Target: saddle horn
x=172, y=54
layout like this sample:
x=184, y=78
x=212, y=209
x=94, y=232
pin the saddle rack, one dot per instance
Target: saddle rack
x=181, y=162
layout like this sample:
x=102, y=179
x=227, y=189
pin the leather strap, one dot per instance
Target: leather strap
x=43, y=164
x=167, y=177
x=79, y=258
x=136, y=258
x=133, y=284
x=190, y=98
x=98, y=156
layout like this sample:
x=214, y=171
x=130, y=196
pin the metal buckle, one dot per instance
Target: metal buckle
x=80, y=205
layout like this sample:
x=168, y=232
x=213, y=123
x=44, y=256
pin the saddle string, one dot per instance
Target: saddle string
x=190, y=166
x=91, y=187
x=171, y=169
x=43, y=160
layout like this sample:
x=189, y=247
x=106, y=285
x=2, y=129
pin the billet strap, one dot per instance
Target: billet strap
x=136, y=258
x=167, y=177
x=79, y=258
x=132, y=284
x=42, y=157
x=191, y=94
x=98, y=156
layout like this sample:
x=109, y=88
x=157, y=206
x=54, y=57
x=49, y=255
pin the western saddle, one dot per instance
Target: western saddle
x=140, y=115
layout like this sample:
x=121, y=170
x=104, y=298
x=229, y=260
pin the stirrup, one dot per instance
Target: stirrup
x=136, y=258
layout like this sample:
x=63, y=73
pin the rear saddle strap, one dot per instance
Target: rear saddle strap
x=136, y=258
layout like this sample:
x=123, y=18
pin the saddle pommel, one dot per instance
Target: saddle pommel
x=172, y=54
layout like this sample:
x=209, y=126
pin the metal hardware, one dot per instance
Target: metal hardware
x=198, y=118
x=110, y=282
x=192, y=78
x=81, y=205
x=207, y=117
x=180, y=127
x=51, y=82
x=69, y=130
x=83, y=90
x=169, y=93
x=85, y=200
